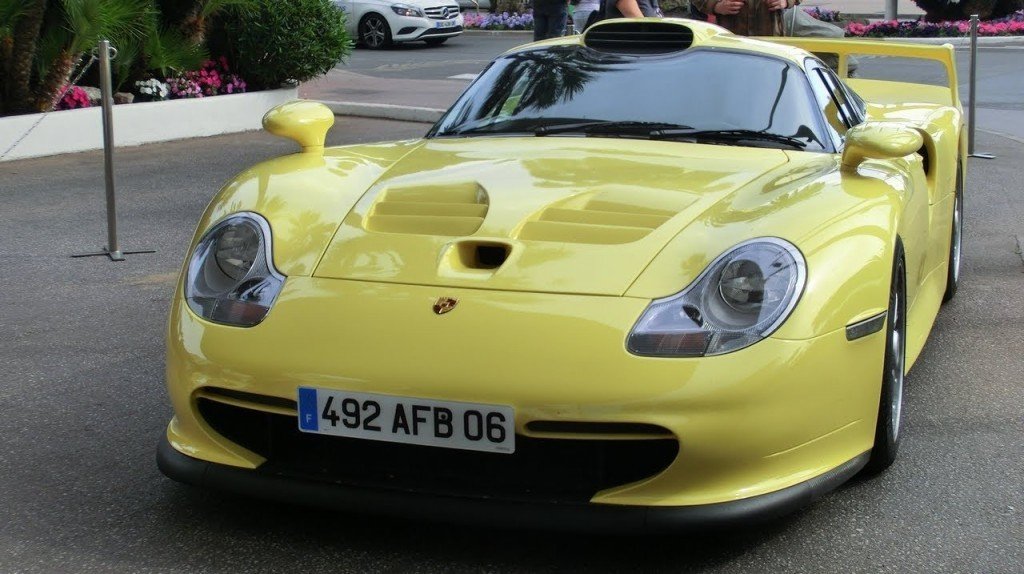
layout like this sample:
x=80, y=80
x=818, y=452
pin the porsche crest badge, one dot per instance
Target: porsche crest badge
x=444, y=304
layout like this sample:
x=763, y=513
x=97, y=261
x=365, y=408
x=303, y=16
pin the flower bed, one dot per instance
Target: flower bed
x=1009, y=26
x=214, y=78
x=502, y=21
x=823, y=14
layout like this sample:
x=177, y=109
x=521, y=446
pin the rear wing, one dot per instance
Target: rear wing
x=845, y=48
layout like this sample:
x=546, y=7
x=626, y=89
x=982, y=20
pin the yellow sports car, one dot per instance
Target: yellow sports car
x=656, y=275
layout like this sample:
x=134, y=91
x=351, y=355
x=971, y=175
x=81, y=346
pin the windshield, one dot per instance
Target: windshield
x=622, y=95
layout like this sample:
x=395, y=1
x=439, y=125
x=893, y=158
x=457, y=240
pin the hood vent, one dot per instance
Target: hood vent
x=638, y=37
x=603, y=219
x=448, y=210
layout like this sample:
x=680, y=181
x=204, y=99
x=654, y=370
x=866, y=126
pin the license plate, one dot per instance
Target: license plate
x=409, y=420
x=445, y=24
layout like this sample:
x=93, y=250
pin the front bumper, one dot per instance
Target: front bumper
x=411, y=29
x=748, y=424
x=576, y=517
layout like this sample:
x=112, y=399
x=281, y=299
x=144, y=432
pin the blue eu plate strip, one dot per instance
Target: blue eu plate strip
x=308, y=419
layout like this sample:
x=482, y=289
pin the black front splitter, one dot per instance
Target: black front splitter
x=504, y=513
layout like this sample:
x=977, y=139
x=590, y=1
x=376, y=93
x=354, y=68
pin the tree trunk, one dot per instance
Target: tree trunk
x=18, y=83
x=194, y=26
x=58, y=74
x=6, y=47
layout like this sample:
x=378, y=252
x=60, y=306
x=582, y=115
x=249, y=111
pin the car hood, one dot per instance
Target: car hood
x=554, y=214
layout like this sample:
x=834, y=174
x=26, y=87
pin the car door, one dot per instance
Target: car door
x=351, y=17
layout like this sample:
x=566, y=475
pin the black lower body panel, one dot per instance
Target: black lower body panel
x=578, y=516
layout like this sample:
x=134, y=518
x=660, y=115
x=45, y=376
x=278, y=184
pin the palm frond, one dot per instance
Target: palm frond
x=87, y=21
x=50, y=47
x=170, y=51
x=209, y=8
x=10, y=12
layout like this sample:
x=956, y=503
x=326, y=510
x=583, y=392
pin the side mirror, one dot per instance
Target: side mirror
x=879, y=140
x=305, y=123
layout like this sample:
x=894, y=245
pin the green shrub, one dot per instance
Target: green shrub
x=952, y=10
x=277, y=42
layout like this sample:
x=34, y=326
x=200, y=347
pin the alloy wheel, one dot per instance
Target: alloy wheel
x=897, y=354
x=375, y=32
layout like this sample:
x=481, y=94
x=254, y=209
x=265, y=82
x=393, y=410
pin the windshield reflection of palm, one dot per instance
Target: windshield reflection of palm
x=554, y=76
x=539, y=80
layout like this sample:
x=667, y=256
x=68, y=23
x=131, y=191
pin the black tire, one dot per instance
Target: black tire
x=374, y=32
x=956, y=239
x=890, y=403
x=435, y=41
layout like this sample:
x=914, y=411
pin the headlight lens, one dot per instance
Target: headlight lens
x=407, y=10
x=231, y=276
x=236, y=249
x=741, y=298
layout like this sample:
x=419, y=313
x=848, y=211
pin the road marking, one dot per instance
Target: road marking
x=1002, y=134
x=469, y=77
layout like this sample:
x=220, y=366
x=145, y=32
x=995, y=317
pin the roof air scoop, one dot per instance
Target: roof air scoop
x=638, y=36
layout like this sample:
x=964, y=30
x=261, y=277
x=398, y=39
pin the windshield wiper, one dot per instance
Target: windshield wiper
x=490, y=126
x=728, y=135
x=610, y=127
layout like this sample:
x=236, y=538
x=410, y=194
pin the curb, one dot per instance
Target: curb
x=478, y=31
x=385, y=111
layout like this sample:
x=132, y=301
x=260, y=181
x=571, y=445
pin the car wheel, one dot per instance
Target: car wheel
x=956, y=239
x=435, y=41
x=890, y=404
x=374, y=32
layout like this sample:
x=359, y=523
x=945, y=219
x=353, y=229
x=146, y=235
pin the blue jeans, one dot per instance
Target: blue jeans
x=579, y=19
x=549, y=21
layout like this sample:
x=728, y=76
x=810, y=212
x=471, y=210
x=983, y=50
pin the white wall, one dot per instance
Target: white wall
x=80, y=130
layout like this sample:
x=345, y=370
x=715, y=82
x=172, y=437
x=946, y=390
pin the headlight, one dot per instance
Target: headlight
x=407, y=10
x=231, y=277
x=741, y=298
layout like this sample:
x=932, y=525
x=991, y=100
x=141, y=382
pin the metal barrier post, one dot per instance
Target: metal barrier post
x=973, y=92
x=112, y=250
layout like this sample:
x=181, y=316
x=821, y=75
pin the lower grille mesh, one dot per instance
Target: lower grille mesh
x=551, y=470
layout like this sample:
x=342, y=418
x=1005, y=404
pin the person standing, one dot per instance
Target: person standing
x=582, y=13
x=549, y=18
x=632, y=9
x=748, y=17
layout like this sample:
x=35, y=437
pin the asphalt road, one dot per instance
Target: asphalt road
x=82, y=406
x=465, y=54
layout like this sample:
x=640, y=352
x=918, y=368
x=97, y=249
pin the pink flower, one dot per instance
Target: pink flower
x=73, y=99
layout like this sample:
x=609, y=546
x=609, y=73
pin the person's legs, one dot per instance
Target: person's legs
x=579, y=19
x=540, y=24
x=557, y=21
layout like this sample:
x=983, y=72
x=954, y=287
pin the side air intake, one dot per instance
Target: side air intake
x=637, y=37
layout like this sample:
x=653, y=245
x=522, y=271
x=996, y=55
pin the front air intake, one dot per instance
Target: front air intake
x=638, y=37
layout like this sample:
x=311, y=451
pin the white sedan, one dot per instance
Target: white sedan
x=379, y=23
